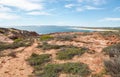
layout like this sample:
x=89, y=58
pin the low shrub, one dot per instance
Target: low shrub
x=76, y=68
x=47, y=46
x=35, y=59
x=53, y=70
x=18, y=40
x=69, y=53
x=17, y=44
x=46, y=37
x=65, y=37
x=12, y=54
x=113, y=65
x=113, y=50
x=100, y=74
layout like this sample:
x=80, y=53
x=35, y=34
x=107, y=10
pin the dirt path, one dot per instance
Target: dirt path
x=17, y=67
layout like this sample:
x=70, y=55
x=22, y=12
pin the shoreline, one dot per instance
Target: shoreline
x=95, y=29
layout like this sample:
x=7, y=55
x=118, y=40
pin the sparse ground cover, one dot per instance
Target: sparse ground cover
x=69, y=52
x=46, y=46
x=60, y=57
x=113, y=65
x=16, y=44
x=54, y=70
x=45, y=37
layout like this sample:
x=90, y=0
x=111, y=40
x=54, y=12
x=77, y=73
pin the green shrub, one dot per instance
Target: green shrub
x=53, y=70
x=65, y=37
x=113, y=50
x=46, y=37
x=11, y=46
x=35, y=59
x=23, y=43
x=76, y=68
x=113, y=65
x=69, y=53
x=18, y=40
x=47, y=46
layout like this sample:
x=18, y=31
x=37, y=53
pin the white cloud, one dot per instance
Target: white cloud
x=26, y=5
x=96, y=2
x=80, y=1
x=110, y=19
x=92, y=8
x=87, y=7
x=69, y=5
x=79, y=9
x=8, y=16
x=4, y=9
x=117, y=9
x=38, y=13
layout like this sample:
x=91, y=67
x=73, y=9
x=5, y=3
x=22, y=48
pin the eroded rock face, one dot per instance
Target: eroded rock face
x=5, y=39
x=10, y=34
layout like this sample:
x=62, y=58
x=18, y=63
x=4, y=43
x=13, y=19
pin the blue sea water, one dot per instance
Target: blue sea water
x=49, y=29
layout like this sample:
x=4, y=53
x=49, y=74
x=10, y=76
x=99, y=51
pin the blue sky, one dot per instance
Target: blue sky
x=91, y=13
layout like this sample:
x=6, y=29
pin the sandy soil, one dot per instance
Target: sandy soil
x=17, y=67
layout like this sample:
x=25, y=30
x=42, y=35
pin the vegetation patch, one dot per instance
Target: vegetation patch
x=36, y=59
x=46, y=46
x=41, y=69
x=113, y=50
x=107, y=33
x=65, y=37
x=12, y=54
x=18, y=40
x=54, y=70
x=16, y=44
x=69, y=53
x=46, y=37
x=100, y=74
x=113, y=65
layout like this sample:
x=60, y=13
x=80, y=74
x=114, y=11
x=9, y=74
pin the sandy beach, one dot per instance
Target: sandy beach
x=95, y=29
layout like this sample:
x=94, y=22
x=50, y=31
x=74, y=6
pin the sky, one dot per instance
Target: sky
x=87, y=13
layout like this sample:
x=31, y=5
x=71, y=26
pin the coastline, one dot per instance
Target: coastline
x=95, y=29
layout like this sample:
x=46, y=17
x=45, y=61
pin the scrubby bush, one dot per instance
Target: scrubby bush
x=100, y=74
x=76, y=68
x=107, y=33
x=113, y=50
x=12, y=54
x=65, y=37
x=11, y=46
x=46, y=37
x=46, y=46
x=53, y=70
x=113, y=65
x=23, y=43
x=69, y=53
x=18, y=40
x=35, y=59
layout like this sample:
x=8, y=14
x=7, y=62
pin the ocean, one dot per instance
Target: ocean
x=49, y=29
